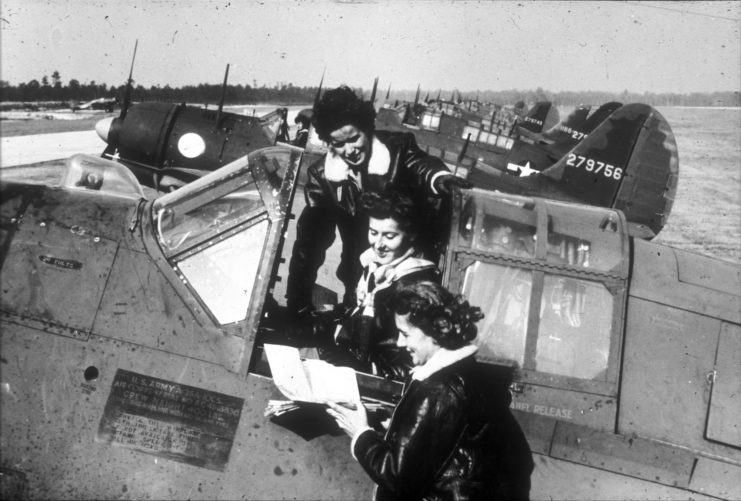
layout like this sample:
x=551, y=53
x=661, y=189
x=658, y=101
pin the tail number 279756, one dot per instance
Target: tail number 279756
x=591, y=165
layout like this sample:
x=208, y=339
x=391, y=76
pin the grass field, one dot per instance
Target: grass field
x=10, y=128
x=707, y=211
x=706, y=217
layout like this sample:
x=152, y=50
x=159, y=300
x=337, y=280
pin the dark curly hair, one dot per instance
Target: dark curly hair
x=340, y=107
x=392, y=203
x=441, y=315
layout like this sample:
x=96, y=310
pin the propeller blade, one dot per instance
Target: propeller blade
x=319, y=90
x=223, y=95
x=373, y=92
x=129, y=86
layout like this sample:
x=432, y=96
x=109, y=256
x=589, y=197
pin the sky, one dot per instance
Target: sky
x=678, y=47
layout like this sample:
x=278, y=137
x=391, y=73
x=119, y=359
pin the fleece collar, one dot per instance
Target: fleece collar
x=441, y=359
x=336, y=170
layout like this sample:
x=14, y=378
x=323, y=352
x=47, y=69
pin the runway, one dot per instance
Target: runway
x=23, y=150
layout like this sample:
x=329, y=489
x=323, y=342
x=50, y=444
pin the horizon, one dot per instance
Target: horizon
x=643, y=47
x=464, y=92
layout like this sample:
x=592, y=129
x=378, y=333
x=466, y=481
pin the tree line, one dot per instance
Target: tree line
x=53, y=92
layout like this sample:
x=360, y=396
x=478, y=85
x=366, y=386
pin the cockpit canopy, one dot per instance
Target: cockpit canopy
x=220, y=231
x=549, y=278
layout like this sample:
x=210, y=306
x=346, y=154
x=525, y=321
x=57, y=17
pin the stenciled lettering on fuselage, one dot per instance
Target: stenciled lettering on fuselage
x=575, y=134
x=534, y=120
x=67, y=264
x=594, y=166
x=543, y=410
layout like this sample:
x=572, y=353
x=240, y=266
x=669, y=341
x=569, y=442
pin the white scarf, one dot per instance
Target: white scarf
x=386, y=274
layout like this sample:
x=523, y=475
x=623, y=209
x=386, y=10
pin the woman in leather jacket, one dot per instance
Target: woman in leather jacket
x=452, y=435
x=359, y=159
x=366, y=338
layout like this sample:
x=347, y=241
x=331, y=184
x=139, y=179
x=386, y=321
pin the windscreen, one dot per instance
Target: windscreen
x=219, y=232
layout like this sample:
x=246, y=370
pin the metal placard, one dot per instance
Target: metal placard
x=170, y=420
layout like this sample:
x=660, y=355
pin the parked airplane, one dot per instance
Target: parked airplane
x=575, y=120
x=629, y=161
x=168, y=145
x=130, y=366
x=544, y=149
x=102, y=103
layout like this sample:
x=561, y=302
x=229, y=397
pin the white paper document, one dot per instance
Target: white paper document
x=310, y=380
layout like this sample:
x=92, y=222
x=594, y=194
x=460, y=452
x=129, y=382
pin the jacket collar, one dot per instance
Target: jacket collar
x=441, y=359
x=336, y=170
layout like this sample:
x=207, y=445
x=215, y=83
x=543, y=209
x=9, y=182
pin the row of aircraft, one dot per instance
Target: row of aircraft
x=133, y=313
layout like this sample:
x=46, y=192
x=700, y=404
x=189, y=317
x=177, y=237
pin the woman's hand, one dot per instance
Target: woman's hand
x=349, y=419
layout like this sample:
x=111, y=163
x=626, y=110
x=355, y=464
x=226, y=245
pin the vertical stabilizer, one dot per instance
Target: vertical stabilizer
x=536, y=117
x=628, y=162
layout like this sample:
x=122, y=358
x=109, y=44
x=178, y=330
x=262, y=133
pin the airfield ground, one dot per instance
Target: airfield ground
x=706, y=217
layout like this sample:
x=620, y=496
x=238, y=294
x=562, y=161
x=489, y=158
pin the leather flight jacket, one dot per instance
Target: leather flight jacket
x=332, y=203
x=452, y=437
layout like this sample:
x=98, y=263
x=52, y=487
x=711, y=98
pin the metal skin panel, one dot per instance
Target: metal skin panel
x=558, y=479
x=538, y=430
x=717, y=478
x=724, y=419
x=44, y=257
x=695, y=269
x=668, y=362
x=50, y=415
x=632, y=456
x=158, y=319
x=80, y=211
x=661, y=275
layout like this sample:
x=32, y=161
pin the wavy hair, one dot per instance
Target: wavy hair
x=395, y=204
x=441, y=315
x=340, y=107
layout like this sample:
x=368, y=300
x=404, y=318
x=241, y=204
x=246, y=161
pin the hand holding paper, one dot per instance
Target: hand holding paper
x=310, y=380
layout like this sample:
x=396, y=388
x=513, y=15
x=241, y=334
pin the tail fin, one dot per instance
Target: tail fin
x=537, y=116
x=598, y=117
x=542, y=156
x=628, y=162
x=562, y=131
x=566, y=128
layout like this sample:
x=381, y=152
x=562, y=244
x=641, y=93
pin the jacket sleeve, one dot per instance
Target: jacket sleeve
x=422, y=436
x=424, y=168
x=315, y=230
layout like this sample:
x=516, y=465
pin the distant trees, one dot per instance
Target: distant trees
x=288, y=93
x=728, y=98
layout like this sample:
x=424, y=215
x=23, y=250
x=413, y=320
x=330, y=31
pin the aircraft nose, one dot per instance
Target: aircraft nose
x=103, y=128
